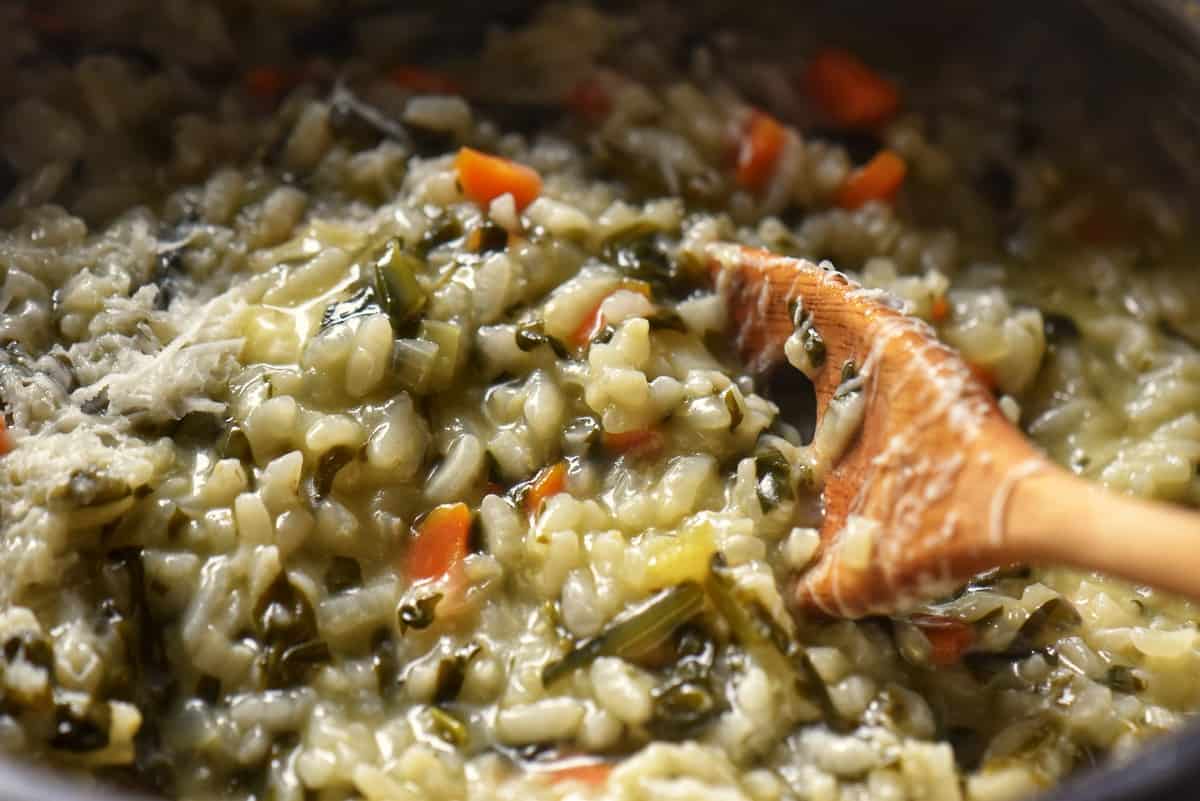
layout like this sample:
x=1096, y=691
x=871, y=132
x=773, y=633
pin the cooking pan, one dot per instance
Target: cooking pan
x=1117, y=78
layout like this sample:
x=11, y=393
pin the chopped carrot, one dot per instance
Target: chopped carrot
x=759, y=149
x=984, y=374
x=590, y=99
x=6, y=444
x=439, y=541
x=485, y=178
x=640, y=442
x=267, y=83
x=593, y=773
x=549, y=481
x=949, y=637
x=593, y=321
x=849, y=92
x=878, y=179
x=425, y=81
x=940, y=310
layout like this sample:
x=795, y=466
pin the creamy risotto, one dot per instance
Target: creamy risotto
x=372, y=430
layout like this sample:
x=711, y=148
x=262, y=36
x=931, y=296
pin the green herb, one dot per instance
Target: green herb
x=383, y=659
x=1122, y=679
x=635, y=633
x=681, y=708
x=80, y=733
x=448, y=728
x=414, y=362
x=419, y=614
x=235, y=445
x=395, y=281
x=448, y=338
x=443, y=228
x=532, y=336
x=729, y=395
x=757, y=632
x=491, y=238
x=362, y=303
x=1046, y=625
x=343, y=573
x=287, y=627
x=813, y=345
x=87, y=488
x=774, y=479
x=331, y=462
x=667, y=320
x=604, y=335
x=452, y=672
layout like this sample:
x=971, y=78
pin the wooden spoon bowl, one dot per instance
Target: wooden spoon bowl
x=943, y=484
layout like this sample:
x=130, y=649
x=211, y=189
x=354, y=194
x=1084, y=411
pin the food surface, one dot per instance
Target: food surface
x=372, y=430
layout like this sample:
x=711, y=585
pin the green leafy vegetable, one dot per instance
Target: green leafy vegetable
x=774, y=479
x=394, y=272
x=419, y=614
x=634, y=633
x=331, y=462
x=362, y=303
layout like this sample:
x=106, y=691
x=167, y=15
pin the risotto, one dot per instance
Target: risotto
x=373, y=431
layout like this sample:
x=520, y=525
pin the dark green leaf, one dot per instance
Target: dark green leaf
x=362, y=303
x=80, y=733
x=395, y=282
x=327, y=469
x=634, y=633
x=343, y=573
x=419, y=614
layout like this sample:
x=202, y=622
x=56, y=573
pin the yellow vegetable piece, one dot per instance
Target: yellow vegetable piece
x=685, y=557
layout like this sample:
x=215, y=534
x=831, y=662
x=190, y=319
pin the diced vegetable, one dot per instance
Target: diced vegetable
x=485, y=178
x=950, y=637
x=684, y=557
x=394, y=272
x=448, y=338
x=640, y=442
x=267, y=83
x=331, y=462
x=849, y=92
x=878, y=179
x=759, y=149
x=591, y=773
x=533, y=335
x=636, y=633
x=6, y=443
x=414, y=362
x=448, y=727
x=593, y=321
x=487, y=237
x=984, y=374
x=940, y=311
x=419, y=614
x=1046, y=625
x=438, y=542
x=424, y=81
x=550, y=481
x=754, y=629
x=774, y=479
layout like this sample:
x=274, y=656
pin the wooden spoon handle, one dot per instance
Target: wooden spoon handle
x=1056, y=517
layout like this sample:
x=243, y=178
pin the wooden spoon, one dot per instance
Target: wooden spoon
x=942, y=482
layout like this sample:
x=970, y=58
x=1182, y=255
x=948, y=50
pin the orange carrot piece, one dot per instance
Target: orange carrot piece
x=592, y=773
x=439, y=541
x=849, y=92
x=485, y=178
x=593, y=321
x=425, y=81
x=878, y=179
x=759, y=148
x=549, y=481
x=6, y=443
x=641, y=442
x=984, y=374
x=940, y=310
x=267, y=83
x=949, y=637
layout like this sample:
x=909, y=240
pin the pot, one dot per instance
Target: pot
x=1122, y=75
